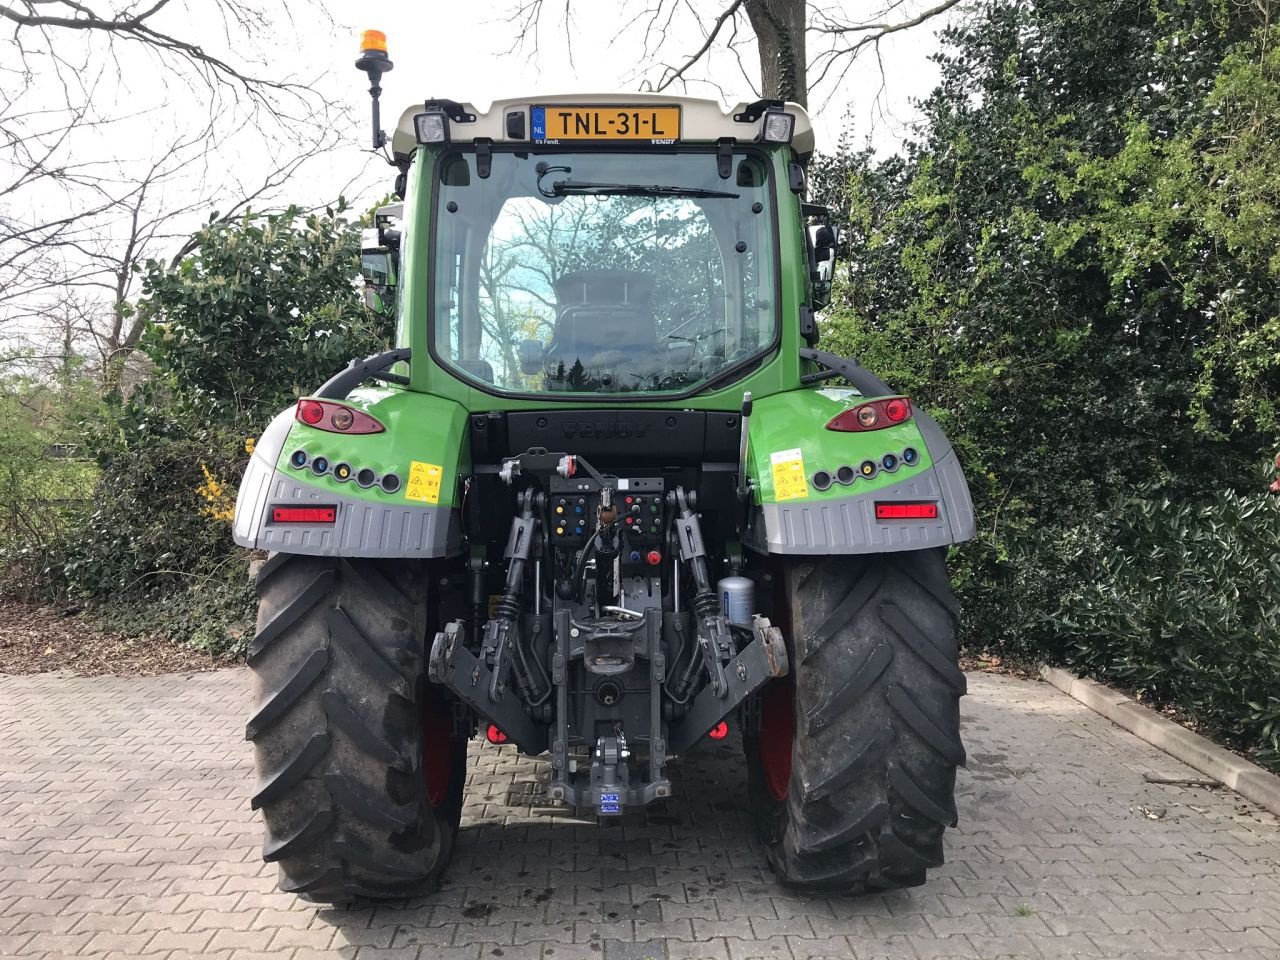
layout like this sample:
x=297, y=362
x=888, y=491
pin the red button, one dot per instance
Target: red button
x=654, y=557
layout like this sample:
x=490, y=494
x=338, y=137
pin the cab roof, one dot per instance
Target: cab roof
x=702, y=120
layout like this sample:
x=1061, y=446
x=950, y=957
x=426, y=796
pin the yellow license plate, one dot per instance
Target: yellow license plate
x=605, y=123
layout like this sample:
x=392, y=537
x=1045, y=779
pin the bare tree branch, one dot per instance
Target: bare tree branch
x=874, y=32
x=843, y=29
x=74, y=220
x=671, y=76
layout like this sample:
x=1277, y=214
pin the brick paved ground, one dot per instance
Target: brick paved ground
x=125, y=831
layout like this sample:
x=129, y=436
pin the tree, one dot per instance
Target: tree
x=262, y=310
x=801, y=45
x=1063, y=267
x=77, y=211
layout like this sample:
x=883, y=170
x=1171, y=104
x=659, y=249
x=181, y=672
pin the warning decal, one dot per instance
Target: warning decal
x=424, y=482
x=788, y=475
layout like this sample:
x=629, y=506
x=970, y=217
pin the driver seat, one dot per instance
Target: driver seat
x=604, y=317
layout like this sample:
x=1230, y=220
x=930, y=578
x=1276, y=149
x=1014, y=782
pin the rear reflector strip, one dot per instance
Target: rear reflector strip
x=906, y=511
x=304, y=514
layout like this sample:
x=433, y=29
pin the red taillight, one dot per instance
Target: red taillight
x=310, y=412
x=336, y=417
x=719, y=731
x=872, y=415
x=906, y=511
x=304, y=514
x=495, y=735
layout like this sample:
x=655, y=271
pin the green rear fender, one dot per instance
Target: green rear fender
x=401, y=493
x=816, y=490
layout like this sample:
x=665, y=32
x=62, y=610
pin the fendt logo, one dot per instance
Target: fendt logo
x=602, y=429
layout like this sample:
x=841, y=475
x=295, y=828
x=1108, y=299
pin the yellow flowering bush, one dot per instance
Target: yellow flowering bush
x=219, y=503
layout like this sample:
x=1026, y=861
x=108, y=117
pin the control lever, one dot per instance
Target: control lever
x=744, y=421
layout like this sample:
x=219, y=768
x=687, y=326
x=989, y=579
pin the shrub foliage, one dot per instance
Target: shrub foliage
x=1075, y=265
x=263, y=310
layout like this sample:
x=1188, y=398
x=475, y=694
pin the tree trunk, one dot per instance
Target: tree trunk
x=779, y=29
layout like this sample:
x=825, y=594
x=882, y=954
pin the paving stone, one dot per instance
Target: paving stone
x=125, y=832
x=637, y=950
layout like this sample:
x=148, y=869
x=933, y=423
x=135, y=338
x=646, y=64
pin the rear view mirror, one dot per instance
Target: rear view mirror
x=822, y=247
x=532, y=356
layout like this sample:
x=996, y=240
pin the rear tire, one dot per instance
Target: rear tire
x=860, y=797
x=360, y=775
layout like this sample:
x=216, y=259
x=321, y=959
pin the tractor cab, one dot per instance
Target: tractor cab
x=612, y=247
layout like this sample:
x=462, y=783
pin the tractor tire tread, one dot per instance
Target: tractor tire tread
x=284, y=697
x=358, y=799
x=338, y=664
x=877, y=693
x=319, y=586
x=291, y=772
x=274, y=850
x=273, y=563
x=867, y=673
x=343, y=717
x=347, y=635
x=854, y=761
x=844, y=611
x=947, y=745
x=917, y=642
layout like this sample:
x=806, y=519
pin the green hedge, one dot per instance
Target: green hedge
x=1177, y=601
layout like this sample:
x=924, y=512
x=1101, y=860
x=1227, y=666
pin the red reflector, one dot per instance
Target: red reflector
x=906, y=511
x=304, y=514
x=495, y=735
x=719, y=731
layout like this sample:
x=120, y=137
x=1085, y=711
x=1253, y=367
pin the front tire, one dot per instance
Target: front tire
x=360, y=773
x=852, y=763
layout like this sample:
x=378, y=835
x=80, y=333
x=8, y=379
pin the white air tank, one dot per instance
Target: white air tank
x=738, y=599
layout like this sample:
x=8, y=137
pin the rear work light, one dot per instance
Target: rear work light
x=906, y=511
x=872, y=415
x=336, y=417
x=304, y=514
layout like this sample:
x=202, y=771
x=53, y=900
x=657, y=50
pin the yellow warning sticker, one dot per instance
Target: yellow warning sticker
x=424, y=482
x=788, y=475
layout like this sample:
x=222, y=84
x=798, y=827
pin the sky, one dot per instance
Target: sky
x=464, y=52
x=450, y=50
x=461, y=51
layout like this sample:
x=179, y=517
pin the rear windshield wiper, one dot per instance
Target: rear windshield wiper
x=563, y=188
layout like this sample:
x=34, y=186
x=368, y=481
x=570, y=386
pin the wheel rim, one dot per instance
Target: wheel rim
x=437, y=750
x=777, y=733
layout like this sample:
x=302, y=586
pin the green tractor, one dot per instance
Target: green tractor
x=605, y=502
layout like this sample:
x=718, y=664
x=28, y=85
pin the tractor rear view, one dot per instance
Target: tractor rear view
x=603, y=502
